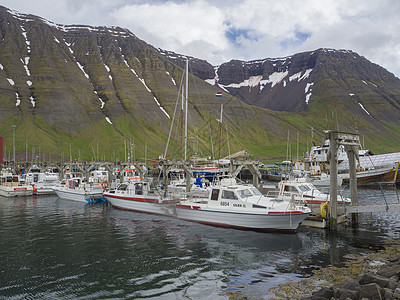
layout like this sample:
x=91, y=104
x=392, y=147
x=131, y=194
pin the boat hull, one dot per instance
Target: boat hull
x=78, y=195
x=273, y=221
x=146, y=204
x=16, y=191
x=373, y=176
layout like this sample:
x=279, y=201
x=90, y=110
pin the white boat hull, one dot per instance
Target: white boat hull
x=44, y=189
x=16, y=191
x=146, y=204
x=78, y=195
x=284, y=221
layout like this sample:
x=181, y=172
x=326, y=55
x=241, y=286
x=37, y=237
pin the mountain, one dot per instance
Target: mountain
x=290, y=83
x=84, y=91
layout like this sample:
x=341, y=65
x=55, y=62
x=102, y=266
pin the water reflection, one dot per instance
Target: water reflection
x=56, y=248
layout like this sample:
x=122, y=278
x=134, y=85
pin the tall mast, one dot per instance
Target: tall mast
x=220, y=132
x=183, y=100
x=186, y=108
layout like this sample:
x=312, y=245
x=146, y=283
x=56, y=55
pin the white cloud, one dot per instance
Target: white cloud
x=218, y=30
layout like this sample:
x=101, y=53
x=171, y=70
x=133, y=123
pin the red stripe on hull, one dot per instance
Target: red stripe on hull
x=285, y=212
x=148, y=200
x=187, y=206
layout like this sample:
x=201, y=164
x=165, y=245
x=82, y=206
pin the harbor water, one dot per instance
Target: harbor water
x=57, y=249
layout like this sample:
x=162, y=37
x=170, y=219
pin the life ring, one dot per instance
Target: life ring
x=104, y=185
x=324, y=210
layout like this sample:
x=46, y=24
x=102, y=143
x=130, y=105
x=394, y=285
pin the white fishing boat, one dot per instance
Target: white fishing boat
x=139, y=196
x=42, y=182
x=305, y=192
x=77, y=189
x=131, y=174
x=177, y=183
x=98, y=176
x=242, y=207
x=11, y=186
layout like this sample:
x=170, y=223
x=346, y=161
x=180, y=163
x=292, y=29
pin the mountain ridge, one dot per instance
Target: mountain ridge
x=81, y=85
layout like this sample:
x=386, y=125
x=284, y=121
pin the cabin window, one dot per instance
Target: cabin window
x=139, y=189
x=255, y=192
x=122, y=187
x=289, y=188
x=245, y=193
x=229, y=195
x=214, y=194
x=304, y=188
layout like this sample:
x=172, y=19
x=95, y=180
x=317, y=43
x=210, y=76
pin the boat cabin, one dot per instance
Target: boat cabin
x=134, y=188
x=238, y=196
x=9, y=180
x=98, y=176
x=131, y=174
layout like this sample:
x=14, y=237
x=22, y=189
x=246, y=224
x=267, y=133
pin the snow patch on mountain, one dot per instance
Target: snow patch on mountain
x=362, y=106
x=18, y=99
x=300, y=77
x=33, y=101
x=307, y=91
x=274, y=79
x=251, y=82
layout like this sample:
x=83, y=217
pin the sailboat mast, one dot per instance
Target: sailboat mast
x=183, y=100
x=186, y=104
x=220, y=132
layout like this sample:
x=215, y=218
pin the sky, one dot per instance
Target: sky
x=221, y=30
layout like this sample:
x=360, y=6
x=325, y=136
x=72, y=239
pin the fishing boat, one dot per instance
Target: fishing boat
x=386, y=174
x=304, y=192
x=178, y=183
x=141, y=197
x=11, y=186
x=131, y=174
x=98, y=176
x=77, y=189
x=242, y=207
x=42, y=182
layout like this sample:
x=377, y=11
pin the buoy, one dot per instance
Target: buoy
x=324, y=210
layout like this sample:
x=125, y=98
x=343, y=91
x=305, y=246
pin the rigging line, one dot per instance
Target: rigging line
x=173, y=118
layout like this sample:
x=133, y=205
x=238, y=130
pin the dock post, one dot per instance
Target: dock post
x=333, y=146
x=165, y=177
x=352, y=155
x=350, y=142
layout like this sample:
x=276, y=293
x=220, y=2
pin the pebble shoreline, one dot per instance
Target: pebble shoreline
x=382, y=284
x=371, y=276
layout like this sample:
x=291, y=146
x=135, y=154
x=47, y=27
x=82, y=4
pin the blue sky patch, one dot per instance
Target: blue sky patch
x=233, y=33
x=299, y=38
